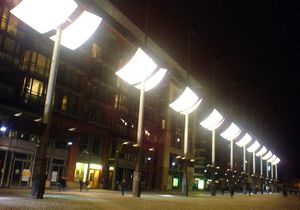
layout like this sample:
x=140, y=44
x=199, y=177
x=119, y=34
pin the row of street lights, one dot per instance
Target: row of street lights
x=141, y=72
x=214, y=120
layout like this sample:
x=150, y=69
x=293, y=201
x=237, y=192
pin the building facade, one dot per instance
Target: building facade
x=93, y=131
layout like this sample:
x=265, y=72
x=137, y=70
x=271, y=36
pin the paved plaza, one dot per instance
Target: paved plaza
x=112, y=200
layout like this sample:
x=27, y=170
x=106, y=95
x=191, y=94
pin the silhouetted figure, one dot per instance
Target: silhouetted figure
x=87, y=182
x=80, y=184
x=231, y=191
x=122, y=186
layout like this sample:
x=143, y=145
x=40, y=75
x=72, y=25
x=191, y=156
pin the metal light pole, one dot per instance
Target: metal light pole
x=52, y=14
x=185, y=104
x=141, y=71
x=136, y=188
x=212, y=122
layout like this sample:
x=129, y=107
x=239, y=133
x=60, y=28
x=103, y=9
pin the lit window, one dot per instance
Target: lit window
x=64, y=103
x=8, y=22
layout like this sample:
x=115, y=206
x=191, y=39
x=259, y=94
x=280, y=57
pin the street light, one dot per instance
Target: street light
x=252, y=149
x=231, y=133
x=212, y=122
x=140, y=72
x=242, y=143
x=260, y=153
x=44, y=16
x=275, y=163
x=185, y=104
x=266, y=157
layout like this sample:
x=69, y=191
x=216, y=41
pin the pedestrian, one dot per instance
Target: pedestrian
x=231, y=191
x=87, y=182
x=122, y=186
x=60, y=184
x=80, y=184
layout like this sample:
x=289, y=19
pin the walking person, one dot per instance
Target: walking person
x=231, y=191
x=80, y=184
x=122, y=186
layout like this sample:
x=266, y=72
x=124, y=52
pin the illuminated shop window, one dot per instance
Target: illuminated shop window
x=175, y=182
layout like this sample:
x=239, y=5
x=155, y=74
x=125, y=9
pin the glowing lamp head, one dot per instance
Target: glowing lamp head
x=253, y=147
x=272, y=159
x=153, y=80
x=44, y=15
x=140, y=67
x=267, y=156
x=276, y=161
x=262, y=151
x=244, y=140
x=3, y=129
x=231, y=132
x=79, y=31
x=213, y=121
x=187, y=102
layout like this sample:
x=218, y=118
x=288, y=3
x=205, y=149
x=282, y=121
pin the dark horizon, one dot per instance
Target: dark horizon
x=253, y=48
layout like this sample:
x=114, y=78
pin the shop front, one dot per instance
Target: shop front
x=91, y=172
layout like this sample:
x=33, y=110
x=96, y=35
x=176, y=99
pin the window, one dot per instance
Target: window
x=36, y=63
x=64, y=103
x=83, y=144
x=8, y=22
x=96, y=148
x=33, y=86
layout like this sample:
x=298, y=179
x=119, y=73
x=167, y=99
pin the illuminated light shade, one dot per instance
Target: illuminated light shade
x=244, y=141
x=213, y=121
x=272, y=159
x=138, y=68
x=276, y=161
x=267, y=156
x=253, y=147
x=19, y=114
x=154, y=79
x=44, y=15
x=79, y=31
x=70, y=143
x=38, y=120
x=231, y=132
x=72, y=129
x=262, y=151
x=187, y=102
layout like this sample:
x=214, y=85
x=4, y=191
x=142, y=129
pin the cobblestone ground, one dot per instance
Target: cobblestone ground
x=110, y=200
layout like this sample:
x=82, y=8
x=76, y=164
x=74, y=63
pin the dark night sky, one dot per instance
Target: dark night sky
x=254, y=49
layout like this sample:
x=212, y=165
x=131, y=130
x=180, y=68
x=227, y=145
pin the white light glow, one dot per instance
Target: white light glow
x=186, y=102
x=213, y=121
x=138, y=68
x=44, y=15
x=3, y=129
x=79, y=31
x=262, y=151
x=244, y=141
x=253, y=147
x=267, y=156
x=153, y=80
x=231, y=132
x=272, y=159
x=276, y=161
